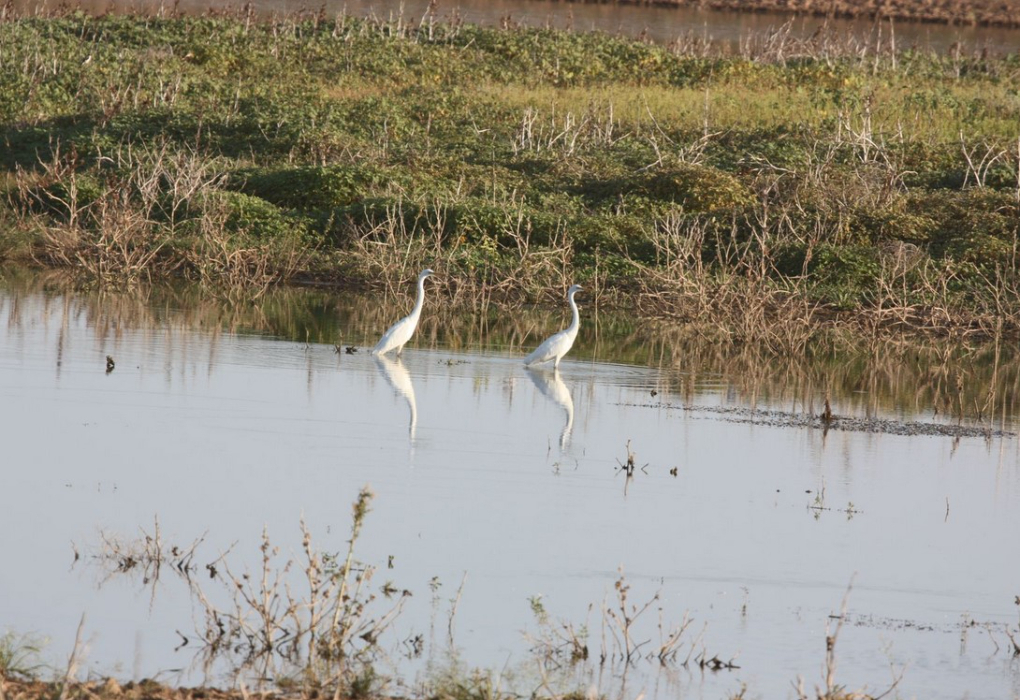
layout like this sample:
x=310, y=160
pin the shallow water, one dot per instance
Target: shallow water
x=220, y=419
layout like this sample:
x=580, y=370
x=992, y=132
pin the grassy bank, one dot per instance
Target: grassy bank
x=792, y=186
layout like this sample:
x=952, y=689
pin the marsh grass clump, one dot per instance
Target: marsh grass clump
x=560, y=641
x=323, y=639
x=153, y=211
x=326, y=637
x=459, y=683
x=147, y=553
x=20, y=656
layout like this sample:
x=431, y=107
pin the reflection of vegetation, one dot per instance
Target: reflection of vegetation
x=767, y=192
x=951, y=379
x=937, y=377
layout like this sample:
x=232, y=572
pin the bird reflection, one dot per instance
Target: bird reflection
x=553, y=388
x=397, y=376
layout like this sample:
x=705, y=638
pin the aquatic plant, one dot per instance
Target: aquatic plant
x=323, y=638
x=20, y=655
x=832, y=690
x=562, y=640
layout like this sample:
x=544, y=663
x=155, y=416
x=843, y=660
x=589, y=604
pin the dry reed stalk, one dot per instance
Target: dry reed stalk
x=832, y=691
x=979, y=167
x=670, y=639
x=393, y=249
x=122, y=232
x=72, y=661
x=561, y=642
x=360, y=510
x=453, y=609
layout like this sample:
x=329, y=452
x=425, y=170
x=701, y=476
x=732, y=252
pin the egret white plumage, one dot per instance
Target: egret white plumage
x=400, y=332
x=557, y=345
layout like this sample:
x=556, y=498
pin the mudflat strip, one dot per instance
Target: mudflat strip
x=786, y=419
x=110, y=689
x=990, y=13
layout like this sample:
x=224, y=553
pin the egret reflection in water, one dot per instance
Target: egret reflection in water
x=552, y=387
x=397, y=376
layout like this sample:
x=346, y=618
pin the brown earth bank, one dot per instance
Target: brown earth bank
x=989, y=13
x=110, y=689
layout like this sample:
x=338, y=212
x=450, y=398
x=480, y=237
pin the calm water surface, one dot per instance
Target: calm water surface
x=217, y=422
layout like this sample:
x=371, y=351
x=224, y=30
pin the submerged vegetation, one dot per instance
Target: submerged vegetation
x=314, y=625
x=786, y=185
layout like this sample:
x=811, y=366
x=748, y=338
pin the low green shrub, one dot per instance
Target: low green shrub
x=309, y=187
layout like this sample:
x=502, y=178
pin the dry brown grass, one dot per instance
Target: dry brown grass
x=156, y=215
x=393, y=249
x=227, y=260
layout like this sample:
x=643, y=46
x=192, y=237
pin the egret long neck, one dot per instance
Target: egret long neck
x=416, y=311
x=576, y=320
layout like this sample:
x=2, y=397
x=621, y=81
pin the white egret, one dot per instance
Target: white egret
x=401, y=331
x=556, y=346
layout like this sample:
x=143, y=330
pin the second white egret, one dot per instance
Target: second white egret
x=557, y=345
x=400, y=332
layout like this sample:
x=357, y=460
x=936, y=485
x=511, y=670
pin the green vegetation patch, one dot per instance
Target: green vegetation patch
x=310, y=187
x=533, y=154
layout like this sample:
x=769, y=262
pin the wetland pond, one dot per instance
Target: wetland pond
x=499, y=495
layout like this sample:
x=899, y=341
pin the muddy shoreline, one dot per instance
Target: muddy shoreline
x=980, y=13
x=787, y=419
x=109, y=688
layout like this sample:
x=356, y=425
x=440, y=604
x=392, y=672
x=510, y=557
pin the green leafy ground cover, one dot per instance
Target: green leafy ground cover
x=798, y=180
